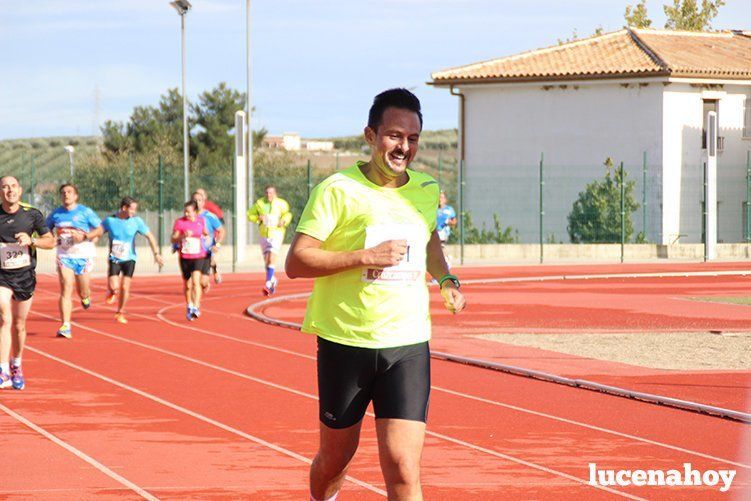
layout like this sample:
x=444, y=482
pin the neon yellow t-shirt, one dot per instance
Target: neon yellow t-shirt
x=371, y=308
x=278, y=218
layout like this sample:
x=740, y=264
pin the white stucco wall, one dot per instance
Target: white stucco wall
x=508, y=127
x=683, y=160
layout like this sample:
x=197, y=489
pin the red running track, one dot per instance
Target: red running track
x=225, y=407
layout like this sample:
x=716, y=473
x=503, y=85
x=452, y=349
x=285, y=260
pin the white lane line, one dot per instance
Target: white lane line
x=314, y=397
x=196, y=415
x=534, y=465
x=291, y=390
x=437, y=388
x=78, y=453
x=590, y=426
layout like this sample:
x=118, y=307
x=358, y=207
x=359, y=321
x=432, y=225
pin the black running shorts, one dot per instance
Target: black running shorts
x=188, y=266
x=397, y=380
x=22, y=283
x=125, y=267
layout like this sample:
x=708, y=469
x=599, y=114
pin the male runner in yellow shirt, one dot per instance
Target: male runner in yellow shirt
x=273, y=216
x=368, y=235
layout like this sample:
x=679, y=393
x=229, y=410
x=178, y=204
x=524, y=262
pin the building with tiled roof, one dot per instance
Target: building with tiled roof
x=630, y=95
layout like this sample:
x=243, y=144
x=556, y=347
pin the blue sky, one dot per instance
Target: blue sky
x=316, y=63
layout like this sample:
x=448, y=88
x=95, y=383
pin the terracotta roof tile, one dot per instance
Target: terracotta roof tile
x=628, y=52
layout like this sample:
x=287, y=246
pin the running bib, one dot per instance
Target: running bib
x=191, y=245
x=120, y=250
x=14, y=256
x=272, y=220
x=412, y=268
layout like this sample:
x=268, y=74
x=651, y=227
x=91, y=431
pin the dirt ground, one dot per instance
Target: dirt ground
x=663, y=350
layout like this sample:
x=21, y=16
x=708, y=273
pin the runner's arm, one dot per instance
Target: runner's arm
x=306, y=259
x=154, y=248
x=453, y=299
x=46, y=241
x=253, y=213
x=176, y=237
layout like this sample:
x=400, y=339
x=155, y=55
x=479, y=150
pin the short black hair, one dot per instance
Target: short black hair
x=191, y=203
x=127, y=201
x=392, y=98
x=65, y=185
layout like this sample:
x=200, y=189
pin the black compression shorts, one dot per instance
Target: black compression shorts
x=22, y=283
x=188, y=266
x=125, y=267
x=397, y=380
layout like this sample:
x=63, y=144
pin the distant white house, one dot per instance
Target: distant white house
x=289, y=141
x=630, y=95
x=319, y=145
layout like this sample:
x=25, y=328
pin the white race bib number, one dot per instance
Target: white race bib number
x=14, y=256
x=272, y=220
x=120, y=250
x=191, y=245
x=412, y=268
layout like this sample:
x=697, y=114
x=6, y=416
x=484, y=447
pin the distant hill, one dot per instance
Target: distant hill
x=49, y=158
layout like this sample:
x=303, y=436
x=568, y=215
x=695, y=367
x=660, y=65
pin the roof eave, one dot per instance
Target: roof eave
x=550, y=78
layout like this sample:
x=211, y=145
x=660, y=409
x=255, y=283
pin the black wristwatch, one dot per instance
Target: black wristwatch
x=449, y=278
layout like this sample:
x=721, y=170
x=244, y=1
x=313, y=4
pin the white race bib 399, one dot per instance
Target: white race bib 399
x=120, y=250
x=412, y=268
x=14, y=256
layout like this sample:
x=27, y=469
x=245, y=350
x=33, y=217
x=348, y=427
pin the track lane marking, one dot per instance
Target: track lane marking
x=78, y=453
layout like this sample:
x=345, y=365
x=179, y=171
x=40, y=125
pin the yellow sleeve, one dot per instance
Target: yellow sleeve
x=253, y=213
x=286, y=214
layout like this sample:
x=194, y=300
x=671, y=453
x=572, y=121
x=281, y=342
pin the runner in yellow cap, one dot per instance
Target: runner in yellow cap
x=273, y=216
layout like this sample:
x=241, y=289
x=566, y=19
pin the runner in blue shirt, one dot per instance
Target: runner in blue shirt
x=213, y=242
x=75, y=226
x=122, y=229
x=445, y=219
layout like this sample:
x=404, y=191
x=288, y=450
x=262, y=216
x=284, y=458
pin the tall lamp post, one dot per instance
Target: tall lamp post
x=70, y=149
x=249, y=107
x=182, y=7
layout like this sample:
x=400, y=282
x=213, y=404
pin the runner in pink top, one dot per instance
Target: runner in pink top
x=188, y=233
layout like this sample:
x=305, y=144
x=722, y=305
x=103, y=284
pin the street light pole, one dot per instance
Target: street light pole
x=70, y=149
x=248, y=108
x=182, y=7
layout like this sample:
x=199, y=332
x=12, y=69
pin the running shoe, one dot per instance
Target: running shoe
x=111, y=298
x=64, y=331
x=270, y=287
x=120, y=318
x=5, y=381
x=16, y=377
x=217, y=276
x=86, y=302
x=189, y=313
x=196, y=312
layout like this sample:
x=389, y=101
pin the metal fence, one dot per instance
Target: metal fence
x=543, y=204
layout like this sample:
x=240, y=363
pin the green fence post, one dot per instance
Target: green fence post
x=461, y=212
x=32, y=184
x=310, y=179
x=234, y=218
x=704, y=211
x=132, y=176
x=161, y=205
x=440, y=167
x=623, y=213
x=644, y=196
x=748, y=196
x=542, y=210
